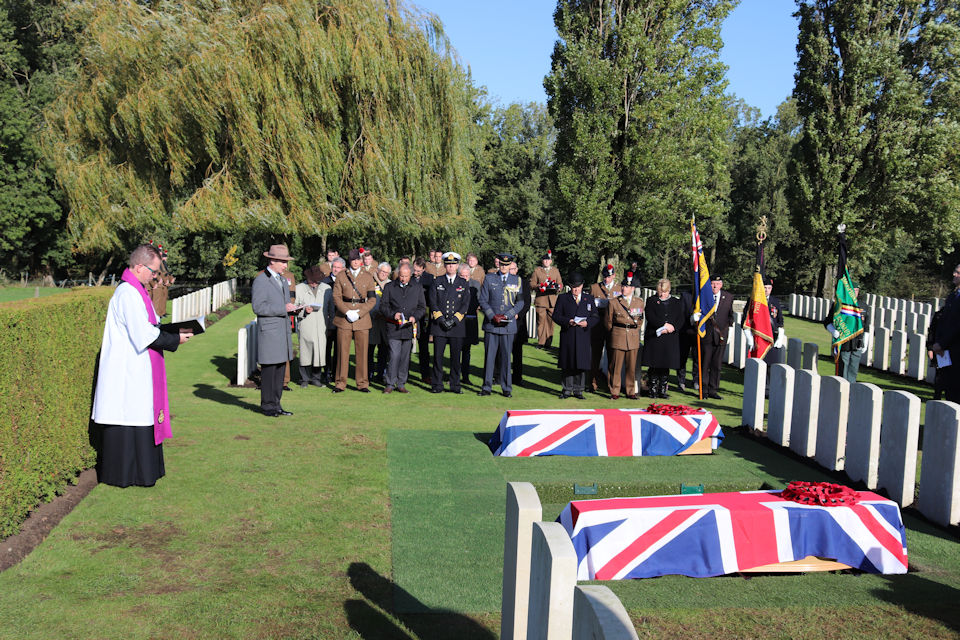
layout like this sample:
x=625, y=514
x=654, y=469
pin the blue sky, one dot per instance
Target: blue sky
x=507, y=45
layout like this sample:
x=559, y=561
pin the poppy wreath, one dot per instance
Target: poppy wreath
x=671, y=409
x=824, y=494
x=549, y=286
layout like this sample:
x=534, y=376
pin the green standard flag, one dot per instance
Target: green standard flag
x=847, y=318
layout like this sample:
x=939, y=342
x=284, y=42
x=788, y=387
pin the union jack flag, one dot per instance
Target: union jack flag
x=601, y=432
x=719, y=533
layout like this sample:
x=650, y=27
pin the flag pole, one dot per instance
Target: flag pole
x=696, y=293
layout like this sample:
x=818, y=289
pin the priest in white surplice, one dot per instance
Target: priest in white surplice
x=131, y=414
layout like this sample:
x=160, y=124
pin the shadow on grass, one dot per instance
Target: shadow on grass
x=369, y=619
x=227, y=367
x=923, y=597
x=209, y=392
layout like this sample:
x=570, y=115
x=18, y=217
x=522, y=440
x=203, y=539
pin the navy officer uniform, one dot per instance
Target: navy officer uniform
x=449, y=302
x=501, y=302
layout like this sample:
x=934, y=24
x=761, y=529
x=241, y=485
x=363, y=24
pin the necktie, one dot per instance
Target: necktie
x=503, y=279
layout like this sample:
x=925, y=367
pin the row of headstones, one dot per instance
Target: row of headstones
x=541, y=598
x=223, y=292
x=896, y=352
x=870, y=434
x=911, y=306
x=202, y=302
x=246, y=351
x=809, y=307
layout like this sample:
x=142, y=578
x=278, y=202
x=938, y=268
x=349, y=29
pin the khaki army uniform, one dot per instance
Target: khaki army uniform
x=435, y=269
x=160, y=293
x=545, y=303
x=477, y=273
x=600, y=334
x=624, y=331
x=359, y=296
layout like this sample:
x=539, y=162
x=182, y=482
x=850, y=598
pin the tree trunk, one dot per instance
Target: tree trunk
x=103, y=274
x=666, y=262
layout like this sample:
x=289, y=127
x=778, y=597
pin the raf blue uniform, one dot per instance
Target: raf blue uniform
x=449, y=303
x=501, y=302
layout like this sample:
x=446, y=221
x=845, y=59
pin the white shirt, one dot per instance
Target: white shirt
x=124, y=392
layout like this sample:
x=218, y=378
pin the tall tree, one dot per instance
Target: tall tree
x=876, y=92
x=36, y=51
x=514, y=179
x=297, y=117
x=637, y=95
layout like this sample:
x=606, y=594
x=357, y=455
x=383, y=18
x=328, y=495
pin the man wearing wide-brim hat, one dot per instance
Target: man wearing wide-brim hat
x=271, y=302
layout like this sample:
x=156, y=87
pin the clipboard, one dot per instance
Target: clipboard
x=194, y=324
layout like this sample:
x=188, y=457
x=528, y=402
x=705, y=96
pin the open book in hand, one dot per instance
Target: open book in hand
x=196, y=325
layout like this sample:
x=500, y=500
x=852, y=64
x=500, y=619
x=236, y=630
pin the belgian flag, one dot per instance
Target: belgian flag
x=757, y=320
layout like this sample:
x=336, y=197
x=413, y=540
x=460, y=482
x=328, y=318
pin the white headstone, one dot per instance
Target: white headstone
x=739, y=347
x=793, y=304
x=917, y=358
x=898, y=352
x=881, y=348
x=810, y=356
x=598, y=614
x=754, y=385
x=795, y=352
x=940, y=472
x=863, y=433
x=523, y=509
x=806, y=409
x=553, y=575
x=899, y=433
x=781, y=404
x=832, y=422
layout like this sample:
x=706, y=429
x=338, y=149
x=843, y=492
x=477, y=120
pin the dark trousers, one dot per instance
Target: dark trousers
x=377, y=357
x=310, y=374
x=497, y=348
x=518, y=342
x=271, y=386
x=573, y=381
x=712, y=355
x=686, y=343
x=423, y=346
x=950, y=378
x=465, y=361
x=439, y=346
x=331, y=351
x=399, y=366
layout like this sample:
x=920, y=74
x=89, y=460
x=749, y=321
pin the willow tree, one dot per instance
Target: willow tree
x=637, y=95
x=293, y=117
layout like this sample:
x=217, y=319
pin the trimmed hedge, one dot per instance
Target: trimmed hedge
x=49, y=348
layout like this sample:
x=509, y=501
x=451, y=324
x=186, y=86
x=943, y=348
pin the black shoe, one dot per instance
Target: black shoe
x=287, y=388
x=271, y=414
x=435, y=390
x=284, y=412
x=483, y=392
x=457, y=391
x=364, y=390
x=507, y=394
x=579, y=396
x=337, y=390
x=564, y=396
x=715, y=396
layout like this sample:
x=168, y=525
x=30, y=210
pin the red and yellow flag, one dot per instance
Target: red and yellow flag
x=758, y=318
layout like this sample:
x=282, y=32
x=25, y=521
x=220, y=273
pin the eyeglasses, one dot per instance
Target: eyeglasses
x=153, y=271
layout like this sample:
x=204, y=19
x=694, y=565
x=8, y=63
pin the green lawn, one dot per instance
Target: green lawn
x=9, y=294
x=371, y=516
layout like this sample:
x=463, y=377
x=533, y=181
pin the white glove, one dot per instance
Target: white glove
x=748, y=338
x=781, y=341
x=866, y=342
x=353, y=315
x=833, y=331
x=695, y=318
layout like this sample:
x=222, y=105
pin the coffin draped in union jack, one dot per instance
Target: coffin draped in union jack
x=719, y=533
x=601, y=432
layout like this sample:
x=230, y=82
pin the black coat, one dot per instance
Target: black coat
x=718, y=324
x=449, y=301
x=407, y=300
x=470, y=322
x=575, y=348
x=776, y=321
x=948, y=327
x=662, y=352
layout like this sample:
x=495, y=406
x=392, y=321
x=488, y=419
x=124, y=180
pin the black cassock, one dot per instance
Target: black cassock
x=662, y=352
x=575, y=348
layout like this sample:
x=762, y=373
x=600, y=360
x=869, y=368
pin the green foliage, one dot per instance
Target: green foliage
x=50, y=346
x=36, y=50
x=877, y=95
x=296, y=117
x=636, y=91
x=514, y=179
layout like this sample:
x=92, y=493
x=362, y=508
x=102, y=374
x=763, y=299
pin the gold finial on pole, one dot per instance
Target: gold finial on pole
x=762, y=230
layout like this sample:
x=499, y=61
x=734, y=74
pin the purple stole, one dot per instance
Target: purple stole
x=158, y=369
